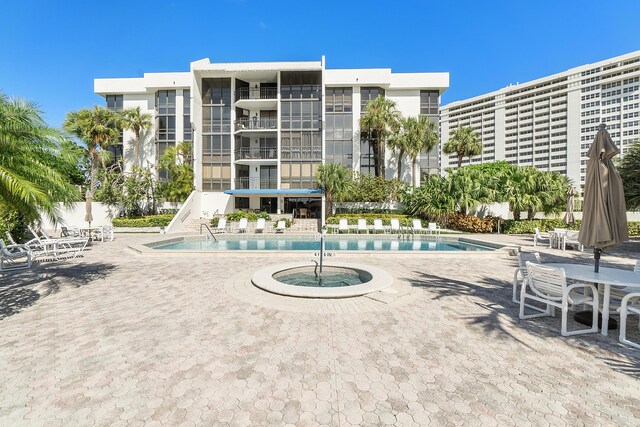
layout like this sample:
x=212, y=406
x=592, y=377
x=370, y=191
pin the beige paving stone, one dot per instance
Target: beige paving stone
x=114, y=338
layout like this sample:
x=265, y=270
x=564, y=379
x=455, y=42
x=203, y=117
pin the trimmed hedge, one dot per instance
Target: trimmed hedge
x=526, y=226
x=352, y=219
x=251, y=216
x=145, y=221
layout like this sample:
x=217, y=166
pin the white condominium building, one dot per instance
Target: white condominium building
x=550, y=122
x=260, y=130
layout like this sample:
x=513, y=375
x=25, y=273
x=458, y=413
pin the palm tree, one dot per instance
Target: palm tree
x=630, y=173
x=423, y=136
x=34, y=165
x=98, y=128
x=378, y=122
x=400, y=142
x=463, y=141
x=176, y=161
x=134, y=120
x=333, y=179
x=516, y=187
x=433, y=199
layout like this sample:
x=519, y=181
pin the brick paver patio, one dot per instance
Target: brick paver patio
x=115, y=338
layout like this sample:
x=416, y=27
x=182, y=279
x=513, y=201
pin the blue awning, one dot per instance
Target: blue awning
x=273, y=192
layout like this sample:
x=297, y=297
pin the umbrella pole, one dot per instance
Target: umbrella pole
x=596, y=257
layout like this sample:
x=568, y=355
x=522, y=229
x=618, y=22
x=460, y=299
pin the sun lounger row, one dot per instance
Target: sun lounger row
x=243, y=226
x=14, y=255
x=395, y=227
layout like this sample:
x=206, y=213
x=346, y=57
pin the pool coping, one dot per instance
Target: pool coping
x=264, y=280
x=147, y=249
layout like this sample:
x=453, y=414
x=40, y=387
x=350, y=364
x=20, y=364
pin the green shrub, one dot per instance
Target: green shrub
x=215, y=221
x=352, y=219
x=469, y=223
x=145, y=221
x=11, y=221
x=171, y=211
x=526, y=226
x=251, y=216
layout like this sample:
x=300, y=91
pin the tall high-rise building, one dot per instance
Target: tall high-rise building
x=551, y=122
x=261, y=130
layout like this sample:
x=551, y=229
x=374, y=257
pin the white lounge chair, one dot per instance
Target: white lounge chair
x=625, y=309
x=281, y=226
x=549, y=286
x=260, y=225
x=362, y=225
x=571, y=238
x=521, y=271
x=222, y=225
x=343, y=226
x=417, y=227
x=242, y=226
x=14, y=257
x=433, y=228
x=377, y=226
x=395, y=226
x=537, y=237
x=55, y=247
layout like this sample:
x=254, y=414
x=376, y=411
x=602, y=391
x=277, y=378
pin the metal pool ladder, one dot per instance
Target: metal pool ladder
x=209, y=230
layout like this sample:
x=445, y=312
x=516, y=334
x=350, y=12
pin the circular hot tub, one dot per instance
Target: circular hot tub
x=335, y=281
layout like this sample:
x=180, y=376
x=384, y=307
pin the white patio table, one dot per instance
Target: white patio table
x=607, y=277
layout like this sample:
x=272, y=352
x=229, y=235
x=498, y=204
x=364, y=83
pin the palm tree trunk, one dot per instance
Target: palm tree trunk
x=400, y=154
x=459, y=161
x=137, y=155
x=531, y=214
x=414, y=176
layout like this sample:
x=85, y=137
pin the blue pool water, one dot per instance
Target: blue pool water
x=257, y=244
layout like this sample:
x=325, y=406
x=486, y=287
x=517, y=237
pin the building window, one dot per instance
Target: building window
x=216, y=134
x=241, y=202
x=339, y=126
x=186, y=115
x=367, y=162
x=115, y=103
x=299, y=174
x=429, y=102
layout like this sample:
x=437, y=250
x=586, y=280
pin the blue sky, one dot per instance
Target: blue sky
x=52, y=51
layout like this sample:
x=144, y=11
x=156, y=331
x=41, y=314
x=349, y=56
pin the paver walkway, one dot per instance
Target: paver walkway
x=115, y=338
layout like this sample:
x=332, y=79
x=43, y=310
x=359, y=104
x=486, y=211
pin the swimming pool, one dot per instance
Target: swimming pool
x=300, y=243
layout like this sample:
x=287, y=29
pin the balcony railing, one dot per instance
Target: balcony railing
x=255, y=123
x=269, y=153
x=256, y=183
x=256, y=93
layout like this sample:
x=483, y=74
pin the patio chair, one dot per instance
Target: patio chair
x=362, y=225
x=549, y=286
x=521, y=271
x=417, y=226
x=65, y=232
x=260, y=225
x=395, y=226
x=281, y=226
x=571, y=238
x=14, y=257
x=537, y=237
x=343, y=226
x=222, y=225
x=54, y=247
x=625, y=309
x=105, y=232
x=242, y=226
x=377, y=226
x=433, y=228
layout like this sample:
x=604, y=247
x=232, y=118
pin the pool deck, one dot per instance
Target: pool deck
x=116, y=338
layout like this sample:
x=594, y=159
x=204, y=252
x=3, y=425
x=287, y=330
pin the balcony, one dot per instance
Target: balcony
x=244, y=93
x=256, y=183
x=255, y=123
x=262, y=153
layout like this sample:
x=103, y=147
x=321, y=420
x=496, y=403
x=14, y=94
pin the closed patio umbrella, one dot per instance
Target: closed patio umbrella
x=604, y=212
x=568, y=217
x=88, y=216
